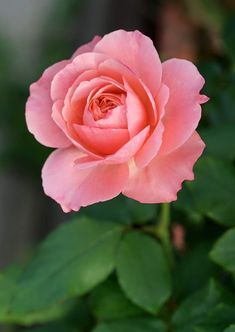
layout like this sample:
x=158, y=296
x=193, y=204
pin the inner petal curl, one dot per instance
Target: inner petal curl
x=101, y=103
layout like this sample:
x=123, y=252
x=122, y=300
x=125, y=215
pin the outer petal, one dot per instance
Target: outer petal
x=136, y=51
x=183, y=110
x=160, y=181
x=150, y=148
x=39, y=109
x=152, y=145
x=70, y=133
x=87, y=47
x=65, y=78
x=73, y=187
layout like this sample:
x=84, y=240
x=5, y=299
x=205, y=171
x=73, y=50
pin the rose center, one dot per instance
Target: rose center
x=102, y=104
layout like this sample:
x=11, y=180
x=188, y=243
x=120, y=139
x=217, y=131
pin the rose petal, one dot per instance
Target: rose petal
x=69, y=131
x=120, y=73
x=136, y=112
x=74, y=106
x=160, y=181
x=115, y=119
x=88, y=161
x=152, y=145
x=73, y=187
x=86, y=47
x=183, y=110
x=85, y=87
x=149, y=150
x=101, y=141
x=129, y=149
x=136, y=51
x=64, y=79
x=39, y=109
x=124, y=154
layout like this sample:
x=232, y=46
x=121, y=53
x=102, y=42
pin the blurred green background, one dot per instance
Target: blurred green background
x=35, y=34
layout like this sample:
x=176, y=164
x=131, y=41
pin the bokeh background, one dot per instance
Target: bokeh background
x=34, y=34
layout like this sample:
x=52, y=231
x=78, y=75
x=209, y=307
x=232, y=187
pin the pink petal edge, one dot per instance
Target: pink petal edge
x=160, y=181
x=137, y=52
x=183, y=110
x=73, y=187
x=39, y=109
x=89, y=47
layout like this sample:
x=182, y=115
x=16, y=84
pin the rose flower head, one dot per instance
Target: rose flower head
x=122, y=122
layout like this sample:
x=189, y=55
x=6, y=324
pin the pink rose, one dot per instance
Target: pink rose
x=122, y=122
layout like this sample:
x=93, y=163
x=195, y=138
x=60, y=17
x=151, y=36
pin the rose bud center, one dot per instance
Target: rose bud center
x=101, y=104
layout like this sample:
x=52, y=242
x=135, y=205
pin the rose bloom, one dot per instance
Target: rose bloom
x=122, y=122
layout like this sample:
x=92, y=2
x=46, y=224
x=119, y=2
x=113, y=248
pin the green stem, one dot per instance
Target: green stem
x=163, y=231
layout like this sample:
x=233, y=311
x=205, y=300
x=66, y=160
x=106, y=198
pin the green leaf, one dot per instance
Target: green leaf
x=54, y=328
x=187, y=267
x=8, y=289
x=216, y=320
x=186, y=328
x=231, y=328
x=220, y=317
x=209, y=310
x=126, y=211
x=223, y=252
x=212, y=194
x=141, y=213
x=220, y=141
x=107, y=302
x=143, y=271
x=194, y=308
x=132, y=325
x=115, y=210
x=206, y=329
x=78, y=319
x=73, y=260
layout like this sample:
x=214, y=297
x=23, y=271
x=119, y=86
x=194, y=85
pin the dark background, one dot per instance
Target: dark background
x=35, y=34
